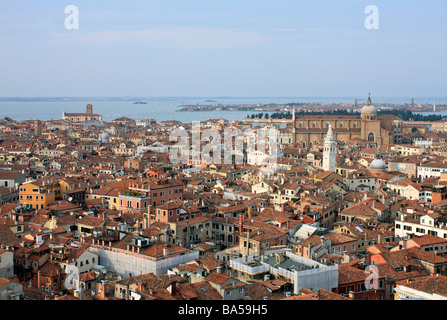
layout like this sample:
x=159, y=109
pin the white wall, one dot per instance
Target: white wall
x=6, y=262
x=323, y=277
x=123, y=264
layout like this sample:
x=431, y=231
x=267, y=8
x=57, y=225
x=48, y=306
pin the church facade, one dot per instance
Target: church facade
x=368, y=126
x=88, y=116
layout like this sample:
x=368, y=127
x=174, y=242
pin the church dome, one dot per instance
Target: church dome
x=369, y=108
x=378, y=164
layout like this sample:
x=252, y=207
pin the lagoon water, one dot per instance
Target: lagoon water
x=162, y=109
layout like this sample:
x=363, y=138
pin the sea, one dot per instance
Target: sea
x=162, y=109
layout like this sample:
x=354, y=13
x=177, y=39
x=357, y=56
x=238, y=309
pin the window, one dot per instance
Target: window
x=371, y=137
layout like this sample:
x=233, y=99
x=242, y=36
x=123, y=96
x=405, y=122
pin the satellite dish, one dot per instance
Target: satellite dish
x=70, y=199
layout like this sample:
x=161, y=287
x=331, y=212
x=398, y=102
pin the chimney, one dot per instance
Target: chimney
x=172, y=288
x=38, y=279
x=100, y=290
x=379, y=239
x=309, y=251
x=146, y=222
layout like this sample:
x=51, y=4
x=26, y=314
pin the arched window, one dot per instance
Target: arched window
x=314, y=124
x=371, y=137
x=301, y=124
x=354, y=125
x=327, y=124
x=304, y=144
x=341, y=124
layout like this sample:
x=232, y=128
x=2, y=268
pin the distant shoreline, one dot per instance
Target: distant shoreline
x=380, y=100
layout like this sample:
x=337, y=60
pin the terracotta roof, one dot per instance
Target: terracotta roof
x=87, y=276
x=321, y=294
x=359, y=209
x=8, y=207
x=199, y=291
x=218, y=278
x=8, y=174
x=349, y=274
x=431, y=284
x=428, y=239
x=7, y=237
x=155, y=249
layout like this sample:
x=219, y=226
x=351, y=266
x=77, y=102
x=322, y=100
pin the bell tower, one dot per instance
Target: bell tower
x=329, y=151
x=89, y=109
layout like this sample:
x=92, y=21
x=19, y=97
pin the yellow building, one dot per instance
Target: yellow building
x=38, y=194
x=124, y=150
x=408, y=150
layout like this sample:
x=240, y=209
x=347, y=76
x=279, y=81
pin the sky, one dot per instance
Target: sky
x=211, y=48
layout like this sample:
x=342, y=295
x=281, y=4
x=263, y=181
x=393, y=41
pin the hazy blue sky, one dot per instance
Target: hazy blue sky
x=223, y=48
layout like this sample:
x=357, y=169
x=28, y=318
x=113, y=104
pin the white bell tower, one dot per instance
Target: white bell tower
x=330, y=151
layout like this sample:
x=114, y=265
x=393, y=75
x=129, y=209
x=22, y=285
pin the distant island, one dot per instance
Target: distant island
x=140, y=102
x=307, y=107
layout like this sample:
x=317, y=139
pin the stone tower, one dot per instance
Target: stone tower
x=330, y=151
x=37, y=128
x=89, y=109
